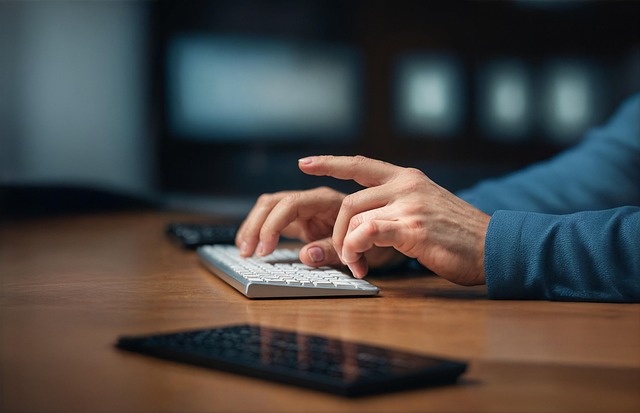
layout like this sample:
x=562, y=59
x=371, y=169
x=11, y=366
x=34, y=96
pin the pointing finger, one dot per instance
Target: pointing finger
x=365, y=171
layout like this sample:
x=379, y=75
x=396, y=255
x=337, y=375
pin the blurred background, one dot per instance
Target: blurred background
x=203, y=105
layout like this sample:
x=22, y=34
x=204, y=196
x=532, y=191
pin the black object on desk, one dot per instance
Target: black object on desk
x=43, y=200
x=317, y=362
x=194, y=235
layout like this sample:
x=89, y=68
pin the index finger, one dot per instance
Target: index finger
x=365, y=171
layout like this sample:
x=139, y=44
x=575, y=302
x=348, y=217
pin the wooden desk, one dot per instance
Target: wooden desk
x=70, y=286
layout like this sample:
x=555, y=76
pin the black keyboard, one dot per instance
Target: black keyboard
x=193, y=235
x=312, y=361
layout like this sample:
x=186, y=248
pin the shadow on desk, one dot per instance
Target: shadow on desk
x=447, y=291
x=464, y=293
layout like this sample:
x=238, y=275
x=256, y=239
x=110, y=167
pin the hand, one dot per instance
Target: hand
x=402, y=208
x=305, y=215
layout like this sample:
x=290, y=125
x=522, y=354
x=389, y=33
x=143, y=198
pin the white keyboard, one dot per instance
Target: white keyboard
x=280, y=274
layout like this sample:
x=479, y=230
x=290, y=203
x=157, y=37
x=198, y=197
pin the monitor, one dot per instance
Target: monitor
x=242, y=89
x=239, y=110
x=249, y=89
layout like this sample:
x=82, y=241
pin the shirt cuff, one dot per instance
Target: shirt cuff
x=506, y=271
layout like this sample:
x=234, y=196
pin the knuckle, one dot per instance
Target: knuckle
x=291, y=199
x=323, y=191
x=414, y=172
x=355, y=222
x=412, y=179
x=266, y=199
x=349, y=202
x=358, y=161
x=370, y=229
x=360, y=158
x=268, y=234
x=414, y=175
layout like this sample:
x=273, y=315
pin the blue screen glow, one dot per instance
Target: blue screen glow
x=245, y=89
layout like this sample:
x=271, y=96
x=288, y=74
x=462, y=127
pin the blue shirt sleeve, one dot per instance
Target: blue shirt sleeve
x=586, y=256
x=569, y=228
x=600, y=173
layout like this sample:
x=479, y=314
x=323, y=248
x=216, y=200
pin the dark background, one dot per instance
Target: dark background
x=84, y=102
x=382, y=31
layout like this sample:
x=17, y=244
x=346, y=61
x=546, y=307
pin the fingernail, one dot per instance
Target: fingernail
x=316, y=254
x=305, y=161
x=260, y=248
x=244, y=247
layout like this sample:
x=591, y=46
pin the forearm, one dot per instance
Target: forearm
x=602, y=172
x=587, y=256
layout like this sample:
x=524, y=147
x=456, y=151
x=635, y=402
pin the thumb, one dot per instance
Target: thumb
x=319, y=253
